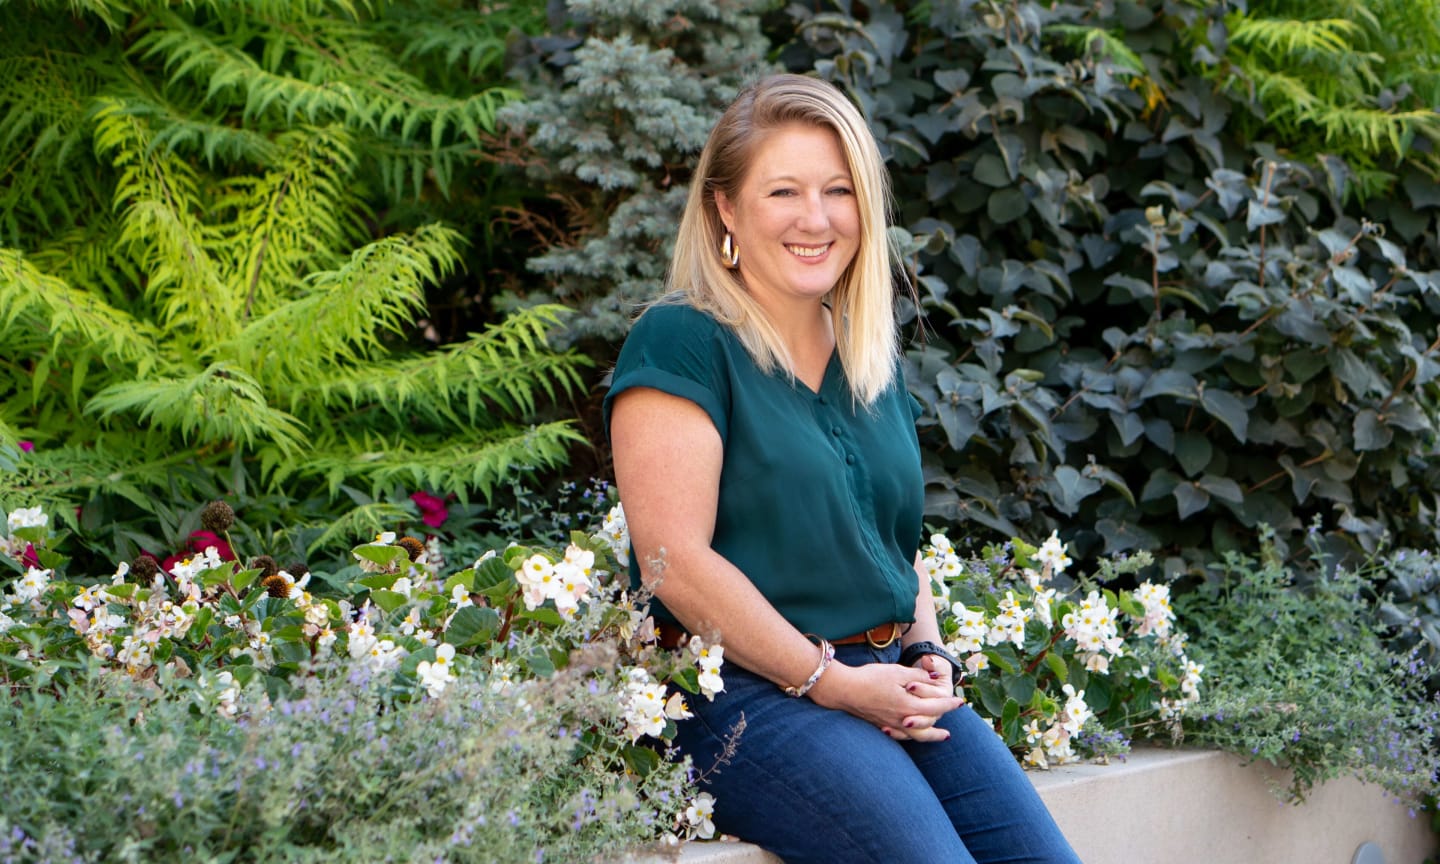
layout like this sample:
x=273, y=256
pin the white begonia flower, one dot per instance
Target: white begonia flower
x=425, y=637
x=502, y=678
x=1190, y=684
x=643, y=703
x=403, y=585
x=537, y=577
x=1042, y=601
x=362, y=638
x=573, y=585
x=977, y=663
x=1009, y=624
x=1076, y=711
x=700, y=813
x=1051, y=554
x=973, y=627
x=385, y=655
x=385, y=538
x=30, y=586
x=616, y=533
x=6, y=622
x=676, y=708
x=436, y=676
x=412, y=621
x=460, y=597
x=710, y=659
x=27, y=517
x=1158, y=614
x=326, y=639
x=482, y=559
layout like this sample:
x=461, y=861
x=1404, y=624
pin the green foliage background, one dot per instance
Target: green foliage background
x=220, y=233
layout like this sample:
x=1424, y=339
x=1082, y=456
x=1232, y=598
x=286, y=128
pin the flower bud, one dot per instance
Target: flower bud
x=217, y=516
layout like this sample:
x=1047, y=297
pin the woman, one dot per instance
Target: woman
x=765, y=452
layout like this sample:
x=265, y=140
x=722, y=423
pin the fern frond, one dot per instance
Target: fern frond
x=464, y=383
x=217, y=405
x=47, y=170
x=162, y=229
x=1377, y=130
x=302, y=215
x=360, y=523
x=1094, y=40
x=112, y=12
x=457, y=464
x=1294, y=37
x=346, y=310
x=65, y=312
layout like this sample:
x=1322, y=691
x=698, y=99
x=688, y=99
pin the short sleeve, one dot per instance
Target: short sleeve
x=680, y=351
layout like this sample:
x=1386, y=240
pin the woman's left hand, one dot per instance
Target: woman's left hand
x=942, y=686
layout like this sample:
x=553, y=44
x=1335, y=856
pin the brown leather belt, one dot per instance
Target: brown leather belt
x=669, y=635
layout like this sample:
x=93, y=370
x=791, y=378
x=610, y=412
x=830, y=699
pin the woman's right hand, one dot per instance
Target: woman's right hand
x=901, y=700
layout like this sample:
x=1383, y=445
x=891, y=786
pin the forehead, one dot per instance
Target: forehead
x=797, y=150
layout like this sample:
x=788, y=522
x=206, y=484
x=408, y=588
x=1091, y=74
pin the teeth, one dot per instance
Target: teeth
x=808, y=251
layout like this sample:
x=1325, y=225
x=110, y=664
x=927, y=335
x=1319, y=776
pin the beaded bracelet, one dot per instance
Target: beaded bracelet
x=827, y=654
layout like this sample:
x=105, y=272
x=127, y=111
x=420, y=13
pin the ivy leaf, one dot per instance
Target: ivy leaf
x=1193, y=452
x=1223, y=488
x=1006, y=205
x=1190, y=499
x=1170, y=382
x=1370, y=432
x=1228, y=409
x=1069, y=487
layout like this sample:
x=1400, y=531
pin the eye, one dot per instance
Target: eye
x=783, y=193
x=840, y=190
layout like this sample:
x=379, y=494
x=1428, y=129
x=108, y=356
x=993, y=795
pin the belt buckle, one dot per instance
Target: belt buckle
x=894, y=634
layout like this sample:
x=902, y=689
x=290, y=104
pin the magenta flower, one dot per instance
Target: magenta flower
x=433, y=511
x=27, y=446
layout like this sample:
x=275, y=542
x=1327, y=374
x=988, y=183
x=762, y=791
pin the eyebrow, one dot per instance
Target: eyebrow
x=789, y=178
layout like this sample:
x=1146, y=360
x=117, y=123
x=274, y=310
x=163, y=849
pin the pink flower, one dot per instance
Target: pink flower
x=199, y=541
x=30, y=558
x=27, y=446
x=433, y=511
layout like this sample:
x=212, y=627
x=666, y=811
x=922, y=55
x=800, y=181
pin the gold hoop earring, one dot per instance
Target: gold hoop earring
x=730, y=252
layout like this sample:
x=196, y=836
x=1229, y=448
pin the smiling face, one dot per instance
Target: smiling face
x=795, y=217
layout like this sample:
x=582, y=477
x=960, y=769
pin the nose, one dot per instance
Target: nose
x=815, y=217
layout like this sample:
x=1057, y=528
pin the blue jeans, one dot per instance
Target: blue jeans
x=812, y=784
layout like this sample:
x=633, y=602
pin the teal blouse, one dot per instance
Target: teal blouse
x=820, y=498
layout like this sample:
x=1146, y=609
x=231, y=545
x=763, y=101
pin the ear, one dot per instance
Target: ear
x=726, y=208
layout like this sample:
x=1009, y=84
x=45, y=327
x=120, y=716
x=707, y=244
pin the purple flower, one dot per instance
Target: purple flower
x=27, y=446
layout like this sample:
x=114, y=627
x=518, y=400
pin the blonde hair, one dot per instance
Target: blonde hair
x=862, y=302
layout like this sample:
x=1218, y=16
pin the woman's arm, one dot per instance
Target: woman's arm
x=668, y=457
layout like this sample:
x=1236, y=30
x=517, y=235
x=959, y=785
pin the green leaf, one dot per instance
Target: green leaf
x=1370, y=432
x=1069, y=487
x=472, y=625
x=385, y=556
x=1006, y=205
x=1057, y=666
x=1193, y=452
x=1190, y=499
x=388, y=600
x=1228, y=409
x=493, y=572
x=1018, y=688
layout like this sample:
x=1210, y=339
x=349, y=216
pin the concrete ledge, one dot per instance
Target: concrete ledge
x=1195, y=807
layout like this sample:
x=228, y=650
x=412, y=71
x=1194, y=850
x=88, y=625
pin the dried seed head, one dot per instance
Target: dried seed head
x=411, y=546
x=276, y=586
x=217, y=517
x=144, y=567
x=265, y=564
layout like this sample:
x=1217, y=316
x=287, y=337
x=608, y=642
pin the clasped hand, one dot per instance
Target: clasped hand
x=904, y=702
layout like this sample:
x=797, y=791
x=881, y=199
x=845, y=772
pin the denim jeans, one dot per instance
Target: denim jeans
x=813, y=784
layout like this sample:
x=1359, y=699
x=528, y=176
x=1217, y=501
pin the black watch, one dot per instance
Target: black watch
x=914, y=652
